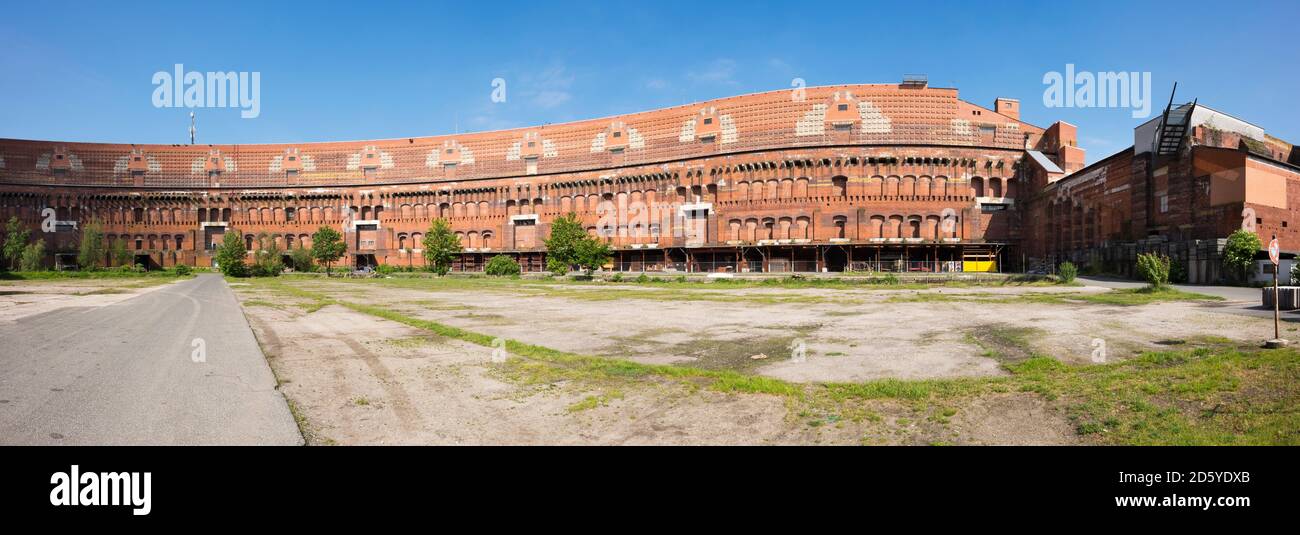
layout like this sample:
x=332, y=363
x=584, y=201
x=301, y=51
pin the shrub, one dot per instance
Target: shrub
x=1239, y=253
x=182, y=270
x=1067, y=272
x=1177, y=271
x=502, y=266
x=681, y=278
x=618, y=277
x=385, y=269
x=16, y=235
x=301, y=259
x=643, y=279
x=90, y=254
x=1154, y=268
x=267, y=261
x=33, y=256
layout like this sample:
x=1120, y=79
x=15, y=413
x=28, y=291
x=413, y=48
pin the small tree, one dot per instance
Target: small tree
x=1154, y=268
x=230, y=255
x=441, y=246
x=121, y=255
x=90, y=257
x=16, y=234
x=1067, y=272
x=33, y=256
x=301, y=258
x=569, y=245
x=593, y=253
x=1239, y=253
x=502, y=266
x=327, y=246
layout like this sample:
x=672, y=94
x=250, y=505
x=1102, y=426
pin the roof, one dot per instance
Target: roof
x=1042, y=161
x=880, y=114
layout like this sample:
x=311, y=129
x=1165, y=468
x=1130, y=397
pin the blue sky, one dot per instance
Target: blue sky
x=347, y=70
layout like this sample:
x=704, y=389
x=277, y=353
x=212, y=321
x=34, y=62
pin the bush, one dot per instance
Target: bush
x=1154, y=268
x=385, y=269
x=33, y=256
x=643, y=278
x=301, y=259
x=618, y=277
x=182, y=270
x=1067, y=272
x=1239, y=254
x=1177, y=271
x=502, y=266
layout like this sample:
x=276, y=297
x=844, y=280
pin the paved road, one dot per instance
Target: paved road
x=124, y=374
x=1237, y=299
x=1230, y=293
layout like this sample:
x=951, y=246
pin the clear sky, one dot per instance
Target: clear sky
x=354, y=70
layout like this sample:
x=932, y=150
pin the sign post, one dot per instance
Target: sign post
x=1275, y=256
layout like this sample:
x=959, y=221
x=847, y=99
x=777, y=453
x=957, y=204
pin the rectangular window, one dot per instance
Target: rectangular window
x=844, y=107
x=1164, y=203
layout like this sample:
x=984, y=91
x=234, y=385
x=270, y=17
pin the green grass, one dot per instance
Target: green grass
x=100, y=274
x=1209, y=391
x=1120, y=297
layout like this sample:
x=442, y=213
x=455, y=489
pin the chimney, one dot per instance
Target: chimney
x=1007, y=106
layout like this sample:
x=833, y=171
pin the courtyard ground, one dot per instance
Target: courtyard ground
x=501, y=361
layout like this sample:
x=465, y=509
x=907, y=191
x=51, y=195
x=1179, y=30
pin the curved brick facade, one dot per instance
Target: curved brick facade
x=774, y=181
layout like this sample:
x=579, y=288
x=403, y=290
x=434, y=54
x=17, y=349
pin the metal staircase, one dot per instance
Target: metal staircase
x=1172, y=132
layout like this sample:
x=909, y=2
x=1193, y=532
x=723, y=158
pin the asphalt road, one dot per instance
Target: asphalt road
x=126, y=374
x=1230, y=293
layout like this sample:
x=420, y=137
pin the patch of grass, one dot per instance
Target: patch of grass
x=591, y=402
x=261, y=303
x=103, y=291
x=1002, y=342
x=1143, y=296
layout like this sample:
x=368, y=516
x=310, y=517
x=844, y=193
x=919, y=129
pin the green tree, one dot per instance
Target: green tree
x=569, y=246
x=16, y=234
x=327, y=246
x=33, y=256
x=268, y=261
x=502, y=266
x=593, y=253
x=121, y=255
x=441, y=246
x=1239, y=253
x=301, y=258
x=231, y=253
x=90, y=256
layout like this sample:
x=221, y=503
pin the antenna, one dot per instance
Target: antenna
x=191, y=128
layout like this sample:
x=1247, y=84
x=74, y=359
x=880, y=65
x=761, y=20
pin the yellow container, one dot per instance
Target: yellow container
x=982, y=266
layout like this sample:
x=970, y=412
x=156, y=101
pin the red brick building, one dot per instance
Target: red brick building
x=1192, y=177
x=867, y=177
